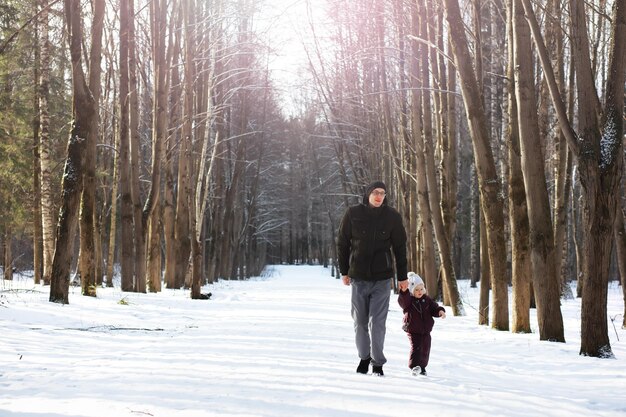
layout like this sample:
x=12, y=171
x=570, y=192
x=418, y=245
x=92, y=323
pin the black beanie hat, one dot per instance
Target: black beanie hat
x=373, y=186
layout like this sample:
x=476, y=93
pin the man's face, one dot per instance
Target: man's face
x=377, y=197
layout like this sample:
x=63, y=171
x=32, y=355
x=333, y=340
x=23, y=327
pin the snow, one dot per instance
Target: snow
x=282, y=345
x=609, y=141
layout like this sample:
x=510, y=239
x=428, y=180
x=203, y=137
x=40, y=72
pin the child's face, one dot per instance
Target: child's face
x=419, y=291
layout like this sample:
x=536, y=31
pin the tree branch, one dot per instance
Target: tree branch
x=10, y=39
x=546, y=65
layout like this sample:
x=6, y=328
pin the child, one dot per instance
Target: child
x=419, y=310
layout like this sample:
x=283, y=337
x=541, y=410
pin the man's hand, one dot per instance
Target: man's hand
x=345, y=279
x=403, y=285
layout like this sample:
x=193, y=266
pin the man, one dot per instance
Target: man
x=367, y=234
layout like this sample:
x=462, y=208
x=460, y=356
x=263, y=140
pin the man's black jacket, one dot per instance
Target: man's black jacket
x=366, y=235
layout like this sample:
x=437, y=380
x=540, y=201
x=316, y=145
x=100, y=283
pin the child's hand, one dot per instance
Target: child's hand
x=442, y=314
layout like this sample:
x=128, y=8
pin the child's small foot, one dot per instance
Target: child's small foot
x=418, y=370
x=378, y=370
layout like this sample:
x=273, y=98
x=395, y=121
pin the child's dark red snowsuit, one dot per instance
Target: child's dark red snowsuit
x=418, y=323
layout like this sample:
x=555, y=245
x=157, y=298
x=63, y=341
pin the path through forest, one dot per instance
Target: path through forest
x=280, y=345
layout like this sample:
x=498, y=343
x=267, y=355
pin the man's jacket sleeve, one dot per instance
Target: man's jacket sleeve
x=343, y=243
x=398, y=240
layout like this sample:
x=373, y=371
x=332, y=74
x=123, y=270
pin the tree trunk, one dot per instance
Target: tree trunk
x=598, y=148
x=429, y=271
x=110, y=270
x=37, y=225
x=151, y=214
x=447, y=139
x=518, y=213
x=126, y=206
x=47, y=201
x=485, y=274
x=84, y=112
x=169, y=203
x=620, y=248
x=202, y=180
x=561, y=206
x=99, y=269
x=87, y=260
x=601, y=166
x=598, y=212
x=545, y=280
x=489, y=183
x=562, y=158
x=578, y=242
x=443, y=243
x=183, y=203
x=153, y=269
x=7, y=253
x=139, y=221
x=476, y=233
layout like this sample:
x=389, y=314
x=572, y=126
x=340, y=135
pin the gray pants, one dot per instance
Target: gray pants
x=370, y=304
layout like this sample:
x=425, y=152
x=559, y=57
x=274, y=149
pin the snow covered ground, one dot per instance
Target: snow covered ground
x=282, y=345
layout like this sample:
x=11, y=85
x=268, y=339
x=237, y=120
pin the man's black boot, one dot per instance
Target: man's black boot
x=364, y=365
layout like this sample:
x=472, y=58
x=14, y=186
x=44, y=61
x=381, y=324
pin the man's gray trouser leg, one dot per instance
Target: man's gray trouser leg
x=370, y=304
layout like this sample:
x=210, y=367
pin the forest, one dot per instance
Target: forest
x=152, y=140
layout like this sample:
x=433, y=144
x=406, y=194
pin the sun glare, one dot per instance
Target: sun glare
x=286, y=27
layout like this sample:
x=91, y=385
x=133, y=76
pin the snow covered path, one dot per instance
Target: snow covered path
x=281, y=345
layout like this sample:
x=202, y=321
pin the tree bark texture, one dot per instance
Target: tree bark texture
x=541, y=239
x=183, y=203
x=450, y=287
x=88, y=257
x=151, y=214
x=37, y=225
x=429, y=271
x=110, y=263
x=84, y=112
x=171, y=161
x=7, y=253
x=620, y=249
x=518, y=213
x=47, y=202
x=139, y=220
x=126, y=200
x=598, y=147
x=489, y=183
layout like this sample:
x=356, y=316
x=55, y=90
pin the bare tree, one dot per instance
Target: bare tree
x=139, y=221
x=598, y=148
x=184, y=195
x=84, y=109
x=47, y=202
x=518, y=212
x=545, y=281
x=169, y=202
x=443, y=243
x=489, y=183
x=158, y=24
x=423, y=196
x=88, y=257
x=126, y=206
x=113, y=226
x=37, y=220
